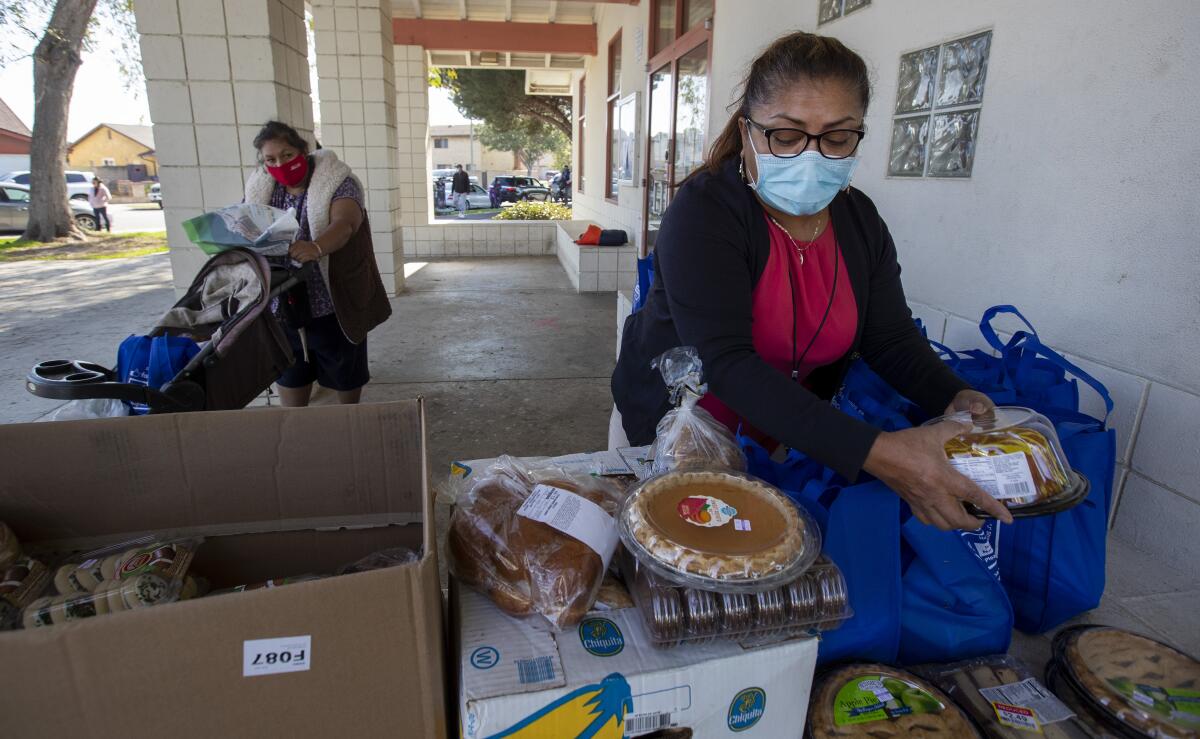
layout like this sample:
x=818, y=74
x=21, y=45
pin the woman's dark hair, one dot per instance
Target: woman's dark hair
x=797, y=56
x=279, y=131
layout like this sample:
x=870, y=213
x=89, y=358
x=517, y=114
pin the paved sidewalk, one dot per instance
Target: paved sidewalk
x=72, y=310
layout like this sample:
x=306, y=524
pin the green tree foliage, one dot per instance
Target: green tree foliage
x=528, y=139
x=497, y=97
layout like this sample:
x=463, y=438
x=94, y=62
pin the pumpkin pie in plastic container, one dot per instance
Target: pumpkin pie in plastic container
x=1015, y=456
x=718, y=530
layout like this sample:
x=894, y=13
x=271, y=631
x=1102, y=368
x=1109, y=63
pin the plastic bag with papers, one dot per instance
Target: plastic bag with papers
x=268, y=231
x=688, y=436
x=535, y=540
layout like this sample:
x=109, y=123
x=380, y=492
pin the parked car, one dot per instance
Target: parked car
x=14, y=209
x=477, y=198
x=511, y=188
x=78, y=183
x=156, y=194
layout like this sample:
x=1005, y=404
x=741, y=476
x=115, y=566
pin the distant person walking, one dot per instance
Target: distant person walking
x=98, y=198
x=461, y=186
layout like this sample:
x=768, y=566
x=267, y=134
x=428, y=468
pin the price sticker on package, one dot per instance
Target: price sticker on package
x=1017, y=717
x=273, y=656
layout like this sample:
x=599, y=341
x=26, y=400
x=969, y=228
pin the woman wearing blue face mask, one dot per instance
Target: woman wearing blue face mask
x=780, y=273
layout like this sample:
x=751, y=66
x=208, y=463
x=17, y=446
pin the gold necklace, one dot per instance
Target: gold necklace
x=799, y=249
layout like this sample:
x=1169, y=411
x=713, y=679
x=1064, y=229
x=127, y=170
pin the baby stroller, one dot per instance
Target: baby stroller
x=226, y=311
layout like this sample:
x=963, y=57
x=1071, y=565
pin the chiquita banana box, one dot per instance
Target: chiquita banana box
x=603, y=680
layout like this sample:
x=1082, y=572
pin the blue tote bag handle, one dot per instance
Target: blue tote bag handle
x=1032, y=347
x=1035, y=348
x=989, y=333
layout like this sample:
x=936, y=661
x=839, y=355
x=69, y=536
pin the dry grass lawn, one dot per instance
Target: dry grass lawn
x=106, y=246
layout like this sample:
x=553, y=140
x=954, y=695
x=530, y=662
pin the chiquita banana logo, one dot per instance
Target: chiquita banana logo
x=592, y=712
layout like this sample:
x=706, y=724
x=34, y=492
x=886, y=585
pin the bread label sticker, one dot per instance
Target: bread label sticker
x=1016, y=717
x=275, y=656
x=575, y=516
x=705, y=510
x=1004, y=476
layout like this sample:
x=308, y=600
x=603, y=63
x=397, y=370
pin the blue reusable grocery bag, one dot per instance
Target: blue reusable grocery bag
x=1052, y=566
x=153, y=362
x=918, y=594
x=645, y=278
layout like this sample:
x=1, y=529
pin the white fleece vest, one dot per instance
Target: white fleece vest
x=328, y=174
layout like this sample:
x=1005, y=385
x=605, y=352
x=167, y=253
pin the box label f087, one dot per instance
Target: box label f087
x=273, y=656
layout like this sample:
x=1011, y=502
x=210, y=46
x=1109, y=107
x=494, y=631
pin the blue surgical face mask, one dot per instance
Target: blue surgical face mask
x=803, y=185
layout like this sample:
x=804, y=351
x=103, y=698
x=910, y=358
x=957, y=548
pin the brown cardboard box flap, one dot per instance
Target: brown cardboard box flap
x=232, y=471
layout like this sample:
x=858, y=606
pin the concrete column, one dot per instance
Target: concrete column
x=412, y=131
x=216, y=70
x=357, y=99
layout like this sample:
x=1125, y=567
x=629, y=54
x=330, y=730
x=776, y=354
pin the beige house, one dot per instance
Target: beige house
x=458, y=144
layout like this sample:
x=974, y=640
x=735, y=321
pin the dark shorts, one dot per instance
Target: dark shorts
x=334, y=362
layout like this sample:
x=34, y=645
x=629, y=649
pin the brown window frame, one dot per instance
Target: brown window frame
x=611, y=100
x=580, y=177
x=683, y=36
x=669, y=57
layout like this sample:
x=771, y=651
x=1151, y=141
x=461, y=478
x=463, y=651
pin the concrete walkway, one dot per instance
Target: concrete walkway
x=72, y=310
x=509, y=359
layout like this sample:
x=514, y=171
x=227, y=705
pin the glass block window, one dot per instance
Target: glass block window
x=829, y=10
x=939, y=94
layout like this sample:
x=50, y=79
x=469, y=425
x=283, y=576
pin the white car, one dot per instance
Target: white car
x=156, y=194
x=14, y=209
x=477, y=198
x=78, y=183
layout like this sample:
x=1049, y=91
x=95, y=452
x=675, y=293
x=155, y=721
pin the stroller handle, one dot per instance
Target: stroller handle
x=65, y=379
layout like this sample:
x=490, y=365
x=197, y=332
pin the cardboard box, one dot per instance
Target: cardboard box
x=276, y=493
x=519, y=677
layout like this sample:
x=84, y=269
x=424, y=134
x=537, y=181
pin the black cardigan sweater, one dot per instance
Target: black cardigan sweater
x=710, y=252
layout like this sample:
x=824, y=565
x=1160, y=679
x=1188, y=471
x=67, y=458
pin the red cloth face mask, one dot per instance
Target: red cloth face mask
x=292, y=173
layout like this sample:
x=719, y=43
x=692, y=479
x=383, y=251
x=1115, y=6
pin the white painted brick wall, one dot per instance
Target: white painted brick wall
x=207, y=57
x=156, y=16
x=1168, y=442
x=169, y=101
x=247, y=18
x=202, y=17
x=212, y=102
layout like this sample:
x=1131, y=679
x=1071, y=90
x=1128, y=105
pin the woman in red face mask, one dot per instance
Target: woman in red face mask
x=344, y=298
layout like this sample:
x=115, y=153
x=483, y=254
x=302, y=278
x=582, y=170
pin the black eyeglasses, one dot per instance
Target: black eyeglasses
x=787, y=143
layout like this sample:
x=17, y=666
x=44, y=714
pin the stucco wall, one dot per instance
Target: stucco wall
x=591, y=205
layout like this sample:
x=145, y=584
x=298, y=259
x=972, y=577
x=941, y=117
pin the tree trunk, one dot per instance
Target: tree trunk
x=55, y=62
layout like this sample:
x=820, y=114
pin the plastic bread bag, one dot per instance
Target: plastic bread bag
x=22, y=580
x=1005, y=699
x=688, y=436
x=535, y=540
x=124, y=577
x=380, y=560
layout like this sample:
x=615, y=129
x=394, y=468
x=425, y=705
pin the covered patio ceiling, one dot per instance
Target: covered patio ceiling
x=500, y=34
